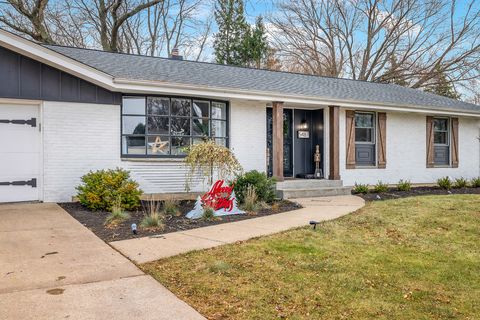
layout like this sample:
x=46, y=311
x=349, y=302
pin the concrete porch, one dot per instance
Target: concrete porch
x=306, y=188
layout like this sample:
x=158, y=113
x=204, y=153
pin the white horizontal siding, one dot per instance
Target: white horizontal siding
x=162, y=177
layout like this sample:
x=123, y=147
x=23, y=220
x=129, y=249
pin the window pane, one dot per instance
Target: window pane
x=221, y=142
x=363, y=135
x=158, y=106
x=199, y=140
x=200, y=127
x=179, y=145
x=219, y=110
x=440, y=124
x=440, y=137
x=158, y=145
x=158, y=125
x=200, y=109
x=180, y=126
x=133, y=145
x=219, y=128
x=133, y=125
x=133, y=105
x=181, y=107
x=363, y=120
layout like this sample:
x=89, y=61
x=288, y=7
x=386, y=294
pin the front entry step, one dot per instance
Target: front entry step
x=291, y=189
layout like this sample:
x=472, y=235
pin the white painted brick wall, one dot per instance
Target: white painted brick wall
x=77, y=138
x=82, y=137
x=406, y=152
x=249, y=134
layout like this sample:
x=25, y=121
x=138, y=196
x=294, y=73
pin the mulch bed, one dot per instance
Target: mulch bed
x=417, y=191
x=95, y=220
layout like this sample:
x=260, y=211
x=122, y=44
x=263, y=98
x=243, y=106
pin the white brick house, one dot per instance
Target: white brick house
x=65, y=111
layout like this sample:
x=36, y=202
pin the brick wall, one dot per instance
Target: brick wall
x=77, y=138
x=406, y=152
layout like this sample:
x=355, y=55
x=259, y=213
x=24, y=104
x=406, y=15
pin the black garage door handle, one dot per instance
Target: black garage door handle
x=31, y=182
x=32, y=122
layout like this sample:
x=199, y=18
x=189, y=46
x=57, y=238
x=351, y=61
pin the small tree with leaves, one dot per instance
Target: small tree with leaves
x=208, y=159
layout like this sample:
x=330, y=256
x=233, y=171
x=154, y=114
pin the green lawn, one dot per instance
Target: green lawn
x=414, y=258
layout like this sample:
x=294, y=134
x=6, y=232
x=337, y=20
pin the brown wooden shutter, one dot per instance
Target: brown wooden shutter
x=430, y=143
x=382, y=140
x=350, y=138
x=454, y=142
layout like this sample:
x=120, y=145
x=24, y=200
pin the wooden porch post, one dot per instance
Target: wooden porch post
x=334, y=143
x=277, y=140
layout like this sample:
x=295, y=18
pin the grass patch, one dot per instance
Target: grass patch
x=412, y=258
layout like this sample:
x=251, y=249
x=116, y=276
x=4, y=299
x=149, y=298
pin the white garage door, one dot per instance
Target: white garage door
x=19, y=153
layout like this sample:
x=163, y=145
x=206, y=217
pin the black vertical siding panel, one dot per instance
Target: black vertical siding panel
x=50, y=83
x=88, y=91
x=104, y=96
x=9, y=74
x=69, y=87
x=30, y=78
x=25, y=78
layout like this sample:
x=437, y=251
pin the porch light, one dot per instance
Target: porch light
x=303, y=125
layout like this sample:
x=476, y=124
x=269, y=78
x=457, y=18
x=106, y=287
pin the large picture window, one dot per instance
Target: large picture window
x=165, y=126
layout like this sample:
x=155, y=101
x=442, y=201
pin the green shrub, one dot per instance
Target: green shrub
x=445, y=183
x=263, y=185
x=100, y=189
x=380, y=187
x=475, y=182
x=404, y=185
x=360, y=188
x=460, y=183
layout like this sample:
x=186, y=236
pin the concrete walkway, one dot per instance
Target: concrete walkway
x=142, y=250
x=52, y=267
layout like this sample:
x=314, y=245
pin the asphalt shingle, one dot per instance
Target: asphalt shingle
x=137, y=67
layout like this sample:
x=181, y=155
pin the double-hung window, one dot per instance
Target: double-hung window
x=155, y=127
x=365, y=138
x=441, y=140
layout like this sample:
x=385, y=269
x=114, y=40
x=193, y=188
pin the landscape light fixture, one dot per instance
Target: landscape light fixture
x=314, y=224
x=134, y=228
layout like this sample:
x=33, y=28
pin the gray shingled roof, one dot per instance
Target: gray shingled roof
x=136, y=67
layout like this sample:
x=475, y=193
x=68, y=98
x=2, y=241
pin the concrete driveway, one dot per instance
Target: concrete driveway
x=52, y=267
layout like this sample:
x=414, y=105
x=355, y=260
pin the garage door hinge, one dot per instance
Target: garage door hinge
x=31, y=182
x=32, y=122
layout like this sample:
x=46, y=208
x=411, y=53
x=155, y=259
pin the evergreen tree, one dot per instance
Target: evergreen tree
x=255, y=45
x=229, y=40
x=442, y=86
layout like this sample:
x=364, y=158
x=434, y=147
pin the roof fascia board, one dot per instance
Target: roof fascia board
x=133, y=86
x=39, y=53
